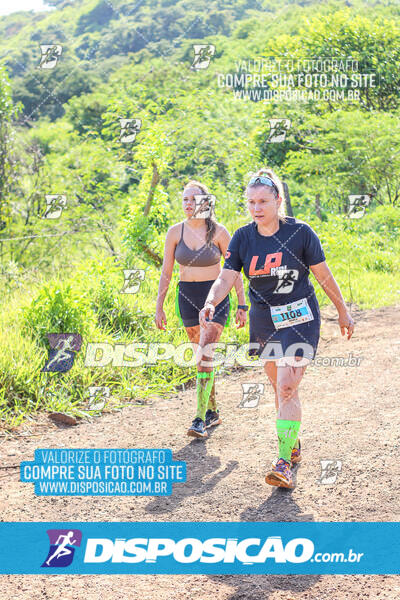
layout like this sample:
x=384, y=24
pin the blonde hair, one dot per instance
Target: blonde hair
x=265, y=172
x=210, y=221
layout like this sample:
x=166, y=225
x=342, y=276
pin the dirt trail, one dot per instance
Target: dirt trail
x=349, y=413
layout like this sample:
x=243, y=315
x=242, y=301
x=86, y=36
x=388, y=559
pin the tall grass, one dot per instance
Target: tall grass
x=364, y=256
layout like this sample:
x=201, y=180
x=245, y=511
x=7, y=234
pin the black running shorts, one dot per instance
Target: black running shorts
x=191, y=297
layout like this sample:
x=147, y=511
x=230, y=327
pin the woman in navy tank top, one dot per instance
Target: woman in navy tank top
x=276, y=253
x=197, y=244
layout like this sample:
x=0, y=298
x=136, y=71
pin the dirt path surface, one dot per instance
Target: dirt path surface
x=349, y=414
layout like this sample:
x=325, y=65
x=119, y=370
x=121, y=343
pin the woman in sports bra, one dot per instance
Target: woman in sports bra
x=277, y=253
x=197, y=244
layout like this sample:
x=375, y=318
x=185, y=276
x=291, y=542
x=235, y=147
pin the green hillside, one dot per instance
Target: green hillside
x=60, y=134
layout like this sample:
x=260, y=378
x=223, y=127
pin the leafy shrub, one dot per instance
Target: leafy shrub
x=56, y=309
x=115, y=315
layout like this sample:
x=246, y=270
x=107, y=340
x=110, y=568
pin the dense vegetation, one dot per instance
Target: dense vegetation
x=60, y=135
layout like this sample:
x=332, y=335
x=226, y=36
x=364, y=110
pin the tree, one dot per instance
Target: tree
x=148, y=213
x=97, y=18
x=44, y=94
x=349, y=153
x=372, y=43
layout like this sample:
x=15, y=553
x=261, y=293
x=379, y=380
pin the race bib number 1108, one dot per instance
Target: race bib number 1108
x=291, y=314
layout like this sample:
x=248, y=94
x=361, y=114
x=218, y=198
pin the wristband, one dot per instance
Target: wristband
x=243, y=307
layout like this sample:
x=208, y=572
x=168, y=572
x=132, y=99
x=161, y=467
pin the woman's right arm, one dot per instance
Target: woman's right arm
x=226, y=280
x=219, y=290
x=166, y=274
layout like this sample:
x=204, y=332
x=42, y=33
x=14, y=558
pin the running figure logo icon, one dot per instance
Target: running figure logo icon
x=98, y=397
x=202, y=56
x=330, y=469
x=278, y=130
x=62, y=351
x=132, y=280
x=61, y=551
x=50, y=55
x=55, y=205
x=129, y=129
x=357, y=205
x=251, y=395
x=287, y=279
x=204, y=206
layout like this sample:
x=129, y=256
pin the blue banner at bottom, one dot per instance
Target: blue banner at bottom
x=200, y=548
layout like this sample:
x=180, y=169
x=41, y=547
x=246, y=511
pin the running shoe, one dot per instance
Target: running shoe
x=296, y=454
x=198, y=428
x=295, y=458
x=212, y=418
x=281, y=475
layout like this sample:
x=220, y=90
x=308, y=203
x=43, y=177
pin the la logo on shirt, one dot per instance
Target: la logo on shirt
x=273, y=267
x=272, y=260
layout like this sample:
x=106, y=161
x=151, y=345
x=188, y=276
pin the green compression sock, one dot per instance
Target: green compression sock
x=204, y=385
x=212, y=403
x=287, y=436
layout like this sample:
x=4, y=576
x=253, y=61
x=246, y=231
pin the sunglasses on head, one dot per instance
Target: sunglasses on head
x=263, y=181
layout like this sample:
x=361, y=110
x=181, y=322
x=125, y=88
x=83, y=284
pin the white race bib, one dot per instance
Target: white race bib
x=291, y=314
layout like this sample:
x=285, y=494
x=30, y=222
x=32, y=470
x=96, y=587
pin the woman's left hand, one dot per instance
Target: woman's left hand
x=346, y=322
x=241, y=318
